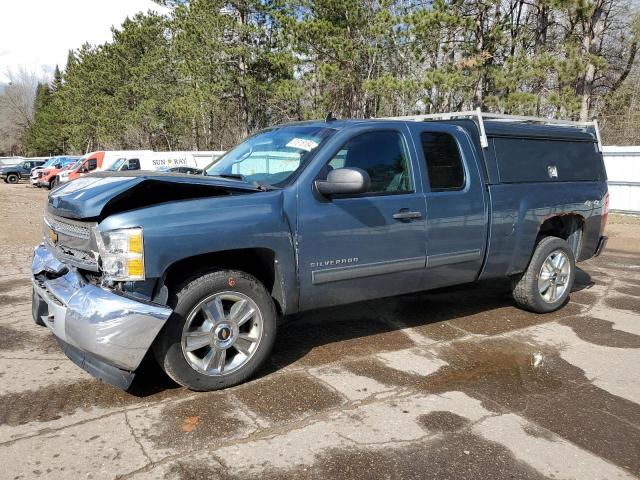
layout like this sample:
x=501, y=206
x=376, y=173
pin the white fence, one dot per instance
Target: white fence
x=623, y=172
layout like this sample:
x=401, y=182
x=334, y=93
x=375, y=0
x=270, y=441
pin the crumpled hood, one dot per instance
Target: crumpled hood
x=102, y=193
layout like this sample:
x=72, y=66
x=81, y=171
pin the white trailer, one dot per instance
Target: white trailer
x=623, y=174
x=194, y=159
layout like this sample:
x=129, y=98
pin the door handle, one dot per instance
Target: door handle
x=405, y=214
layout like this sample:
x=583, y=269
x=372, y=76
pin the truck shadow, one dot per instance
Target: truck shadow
x=328, y=335
x=487, y=308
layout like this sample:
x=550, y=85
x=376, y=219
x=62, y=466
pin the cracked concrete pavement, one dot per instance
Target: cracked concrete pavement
x=456, y=383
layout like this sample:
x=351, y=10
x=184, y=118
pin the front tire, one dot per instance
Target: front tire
x=548, y=280
x=54, y=183
x=221, y=331
x=12, y=178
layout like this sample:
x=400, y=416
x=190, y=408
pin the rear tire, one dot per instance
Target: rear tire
x=213, y=314
x=12, y=178
x=547, y=282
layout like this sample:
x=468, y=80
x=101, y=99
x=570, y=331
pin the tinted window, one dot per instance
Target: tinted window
x=92, y=164
x=443, y=161
x=382, y=155
x=534, y=160
x=134, y=164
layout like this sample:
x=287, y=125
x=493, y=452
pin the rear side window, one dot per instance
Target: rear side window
x=382, y=154
x=92, y=164
x=444, y=163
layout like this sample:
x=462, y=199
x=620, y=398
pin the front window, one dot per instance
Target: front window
x=383, y=155
x=273, y=156
x=116, y=166
x=74, y=165
x=49, y=162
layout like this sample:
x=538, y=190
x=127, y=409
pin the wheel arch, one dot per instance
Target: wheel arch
x=568, y=226
x=260, y=262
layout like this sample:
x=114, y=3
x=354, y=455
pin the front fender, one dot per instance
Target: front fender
x=175, y=231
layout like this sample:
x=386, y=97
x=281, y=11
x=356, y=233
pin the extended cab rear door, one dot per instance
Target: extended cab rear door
x=369, y=245
x=456, y=230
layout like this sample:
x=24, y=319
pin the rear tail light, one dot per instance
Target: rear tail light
x=605, y=212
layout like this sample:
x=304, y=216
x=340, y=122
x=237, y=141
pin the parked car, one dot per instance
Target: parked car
x=43, y=176
x=59, y=163
x=48, y=177
x=100, y=160
x=21, y=171
x=196, y=270
x=46, y=162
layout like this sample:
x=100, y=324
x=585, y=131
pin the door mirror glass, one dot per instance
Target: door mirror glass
x=344, y=181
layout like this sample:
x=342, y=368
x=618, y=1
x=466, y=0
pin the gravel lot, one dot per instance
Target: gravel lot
x=452, y=384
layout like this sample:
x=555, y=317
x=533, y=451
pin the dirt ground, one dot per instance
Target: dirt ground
x=454, y=384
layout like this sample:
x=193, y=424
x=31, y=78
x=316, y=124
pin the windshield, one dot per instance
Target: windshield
x=74, y=165
x=49, y=162
x=272, y=156
x=116, y=166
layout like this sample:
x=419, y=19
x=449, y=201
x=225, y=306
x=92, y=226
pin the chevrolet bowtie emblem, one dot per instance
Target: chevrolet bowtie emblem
x=53, y=236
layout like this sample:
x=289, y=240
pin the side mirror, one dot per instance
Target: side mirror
x=57, y=166
x=343, y=181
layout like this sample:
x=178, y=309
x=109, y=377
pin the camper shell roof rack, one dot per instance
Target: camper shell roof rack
x=479, y=116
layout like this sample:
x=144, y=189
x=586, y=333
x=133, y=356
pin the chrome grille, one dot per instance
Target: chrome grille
x=75, y=229
x=71, y=241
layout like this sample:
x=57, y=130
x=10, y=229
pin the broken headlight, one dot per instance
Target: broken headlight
x=122, y=254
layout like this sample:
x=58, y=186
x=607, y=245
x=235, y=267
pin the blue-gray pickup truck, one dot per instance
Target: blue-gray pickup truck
x=196, y=271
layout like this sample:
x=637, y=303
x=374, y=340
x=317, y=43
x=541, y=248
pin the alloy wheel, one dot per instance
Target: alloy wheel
x=222, y=333
x=553, y=278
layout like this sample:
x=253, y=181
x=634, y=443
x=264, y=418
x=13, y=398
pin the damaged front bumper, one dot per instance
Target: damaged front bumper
x=105, y=333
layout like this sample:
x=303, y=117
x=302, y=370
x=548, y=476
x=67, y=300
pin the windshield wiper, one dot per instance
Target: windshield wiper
x=234, y=176
x=264, y=187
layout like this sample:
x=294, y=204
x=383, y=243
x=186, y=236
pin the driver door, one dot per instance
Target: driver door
x=367, y=245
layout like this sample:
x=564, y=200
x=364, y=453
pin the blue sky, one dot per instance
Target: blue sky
x=37, y=34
